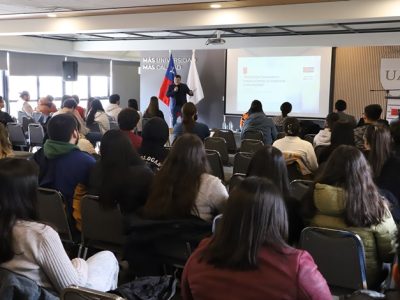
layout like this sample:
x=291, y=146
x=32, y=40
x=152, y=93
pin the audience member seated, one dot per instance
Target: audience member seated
x=79, y=109
x=155, y=134
x=340, y=107
x=128, y=118
x=395, y=132
x=189, y=123
x=384, y=164
x=323, y=138
x=113, y=109
x=62, y=165
x=69, y=106
x=286, y=108
x=25, y=106
x=46, y=106
x=292, y=144
x=89, y=105
x=4, y=117
x=153, y=110
x=97, y=115
x=248, y=257
x=268, y=162
x=342, y=134
x=372, y=113
x=132, y=103
x=34, y=249
x=183, y=187
x=120, y=177
x=258, y=121
x=5, y=145
x=345, y=197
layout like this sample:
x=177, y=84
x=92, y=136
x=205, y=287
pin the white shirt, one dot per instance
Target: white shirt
x=113, y=111
x=323, y=138
x=297, y=145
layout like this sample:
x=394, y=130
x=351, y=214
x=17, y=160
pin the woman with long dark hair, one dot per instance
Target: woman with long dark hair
x=98, y=115
x=153, y=109
x=268, y=162
x=258, y=121
x=346, y=197
x=248, y=258
x=35, y=250
x=183, y=188
x=189, y=123
x=120, y=177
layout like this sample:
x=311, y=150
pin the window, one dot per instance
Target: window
x=17, y=84
x=99, y=86
x=79, y=87
x=50, y=85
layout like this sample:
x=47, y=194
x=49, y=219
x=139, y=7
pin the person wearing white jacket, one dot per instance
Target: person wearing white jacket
x=323, y=138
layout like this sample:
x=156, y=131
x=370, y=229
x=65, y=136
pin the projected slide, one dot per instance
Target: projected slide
x=300, y=77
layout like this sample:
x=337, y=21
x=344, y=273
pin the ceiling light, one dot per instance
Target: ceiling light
x=52, y=15
x=215, y=5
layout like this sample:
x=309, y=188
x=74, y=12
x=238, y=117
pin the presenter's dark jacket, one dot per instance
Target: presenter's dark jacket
x=180, y=95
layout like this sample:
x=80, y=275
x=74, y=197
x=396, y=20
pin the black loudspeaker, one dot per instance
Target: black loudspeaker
x=70, y=70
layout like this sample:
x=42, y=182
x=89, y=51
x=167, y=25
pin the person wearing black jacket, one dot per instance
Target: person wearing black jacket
x=4, y=117
x=177, y=92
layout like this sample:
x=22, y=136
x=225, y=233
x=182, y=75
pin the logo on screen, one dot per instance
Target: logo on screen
x=308, y=69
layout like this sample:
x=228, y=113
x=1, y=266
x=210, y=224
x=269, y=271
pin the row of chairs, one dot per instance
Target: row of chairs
x=18, y=137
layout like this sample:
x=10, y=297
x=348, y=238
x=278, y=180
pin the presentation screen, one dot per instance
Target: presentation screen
x=297, y=75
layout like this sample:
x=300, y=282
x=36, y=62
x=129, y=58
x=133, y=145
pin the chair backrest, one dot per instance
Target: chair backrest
x=339, y=256
x=16, y=134
x=253, y=135
x=36, y=115
x=26, y=121
x=216, y=165
x=50, y=210
x=35, y=134
x=21, y=114
x=94, y=127
x=101, y=227
x=229, y=138
x=241, y=162
x=218, y=144
x=81, y=293
x=250, y=145
x=216, y=222
x=294, y=172
x=309, y=138
x=235, y=180
x=280, y=135
x=299, y=187
x=113, y=125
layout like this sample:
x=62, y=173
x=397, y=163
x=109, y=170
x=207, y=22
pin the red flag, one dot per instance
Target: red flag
x=168, y=79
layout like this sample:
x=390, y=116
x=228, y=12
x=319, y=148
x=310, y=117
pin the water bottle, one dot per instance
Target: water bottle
x=224, y=125
x=230, y=125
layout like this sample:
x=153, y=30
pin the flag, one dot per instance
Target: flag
x=194, y=83
x=168, y=79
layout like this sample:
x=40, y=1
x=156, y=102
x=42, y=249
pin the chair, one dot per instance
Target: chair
x=299, y=187
x=280, y=135
x=294, y=172
x=101, y=227
x=309, y=138
x=229, y=138
x=250, y=145
x=94, y=127
x=50, y=210
x=114, y=125
x=21, y=114
x=216, y=165
x=218, y=144
x=217, y=220
x=236, y=179
x=36, y=135
x=16, y=135
x=36, y=116
x=26, y=121
x=241, y=162
x=253, y=135
x=81, y=293
x=339, y=256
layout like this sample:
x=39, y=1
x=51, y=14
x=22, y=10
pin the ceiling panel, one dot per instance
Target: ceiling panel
x=310, y=28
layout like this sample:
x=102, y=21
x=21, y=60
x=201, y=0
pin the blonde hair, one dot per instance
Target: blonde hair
x=5, y=145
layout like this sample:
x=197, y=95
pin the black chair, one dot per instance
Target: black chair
x=229, y=138
x=241, y=162
x=299, y=187
x=294, y=172
x=101, y=228
x=36, y=135
x=17, y=136
x=339, y=256
x=26, y=121
x=81, y=293
x=309, y=138
x=50, y=210
x=250, y=145
x=216, y=165
x=218, y=144
x=236, y=179
x=253, y=135
x=114, y=125
x=217, y=220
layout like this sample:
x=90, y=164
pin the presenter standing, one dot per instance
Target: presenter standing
x=177, y=92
